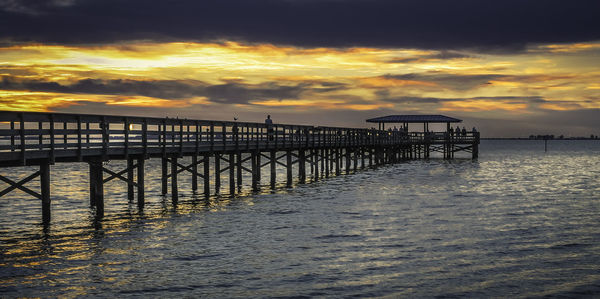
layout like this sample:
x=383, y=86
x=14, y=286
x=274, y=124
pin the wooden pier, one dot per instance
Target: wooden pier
x=42, y=139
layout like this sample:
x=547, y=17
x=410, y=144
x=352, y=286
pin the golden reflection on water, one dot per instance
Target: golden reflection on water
x=504, y=231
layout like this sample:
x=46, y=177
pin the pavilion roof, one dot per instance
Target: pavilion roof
x=415, y=118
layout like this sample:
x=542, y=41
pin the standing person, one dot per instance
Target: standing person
x=269, y=123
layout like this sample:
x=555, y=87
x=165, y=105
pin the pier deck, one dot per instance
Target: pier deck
x=42, y=139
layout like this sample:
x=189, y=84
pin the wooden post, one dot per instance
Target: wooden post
x=126, y=131
x=174, y=191
x=217, y=173
x=475, y=150
x=355, y=152
x=140, y=181
x=348, y=159
x=254, y=169
x=105, y=136
x=362, y=158
x=327, y=164
x=41, y=136
x=93, y=181
x=164, y=175
x=337, y=161
x=302, y=166
x=258, y=167
x=145, y=138
x=45, y=190
x=231, y=174
x=130, y=179
x=332, y=160
x=65, y=136
x=238, y=162
x=289, y=167
x=273, y=168
x=22, y=137
x=79, y=146
x=446, y=135
x=312, y=160
x=194, y=172
x=97, y=187
x=322, y=161
x=12, y=136
x=315, y=161
x=206, y=164
x=52, y=138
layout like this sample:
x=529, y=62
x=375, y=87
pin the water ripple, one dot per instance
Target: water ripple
x=515, y=223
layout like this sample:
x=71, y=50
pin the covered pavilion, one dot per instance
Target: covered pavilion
x=414, y=118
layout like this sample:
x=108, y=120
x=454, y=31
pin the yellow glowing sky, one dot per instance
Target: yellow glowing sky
x=202, y=80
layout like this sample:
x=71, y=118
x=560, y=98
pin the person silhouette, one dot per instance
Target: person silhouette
x=269, y=123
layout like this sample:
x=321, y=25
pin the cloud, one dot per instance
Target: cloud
x=32, y=7
x=230, y=92
x=452, y=81
x=464, y=82
x=244, y=94
x=437, y=24
x=523, y=105
x=416, y=100
x=442, y=55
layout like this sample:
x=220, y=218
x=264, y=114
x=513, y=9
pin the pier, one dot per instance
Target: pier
x=232, y=148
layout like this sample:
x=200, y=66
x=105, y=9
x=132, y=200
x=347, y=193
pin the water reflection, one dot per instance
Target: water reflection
x=506, y=224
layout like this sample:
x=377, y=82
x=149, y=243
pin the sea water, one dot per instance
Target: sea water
x=517, y=222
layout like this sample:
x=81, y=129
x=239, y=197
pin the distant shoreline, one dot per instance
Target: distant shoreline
x=525, y=138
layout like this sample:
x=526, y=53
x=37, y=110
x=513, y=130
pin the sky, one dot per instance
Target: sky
x=511, y=68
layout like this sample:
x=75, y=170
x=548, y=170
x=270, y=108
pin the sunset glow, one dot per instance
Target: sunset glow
x=339, y=83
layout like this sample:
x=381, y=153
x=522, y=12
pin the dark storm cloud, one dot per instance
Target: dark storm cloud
x=453, y=81
x=415, y=100
x=463, y=82
x=532, y=100
x=442, y=55
x=226, y=93
x=157, y=89
x=243, y=94
x=492, y=25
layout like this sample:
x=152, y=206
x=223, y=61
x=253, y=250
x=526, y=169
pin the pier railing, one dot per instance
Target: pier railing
x=41, y=139
x=32, y=135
